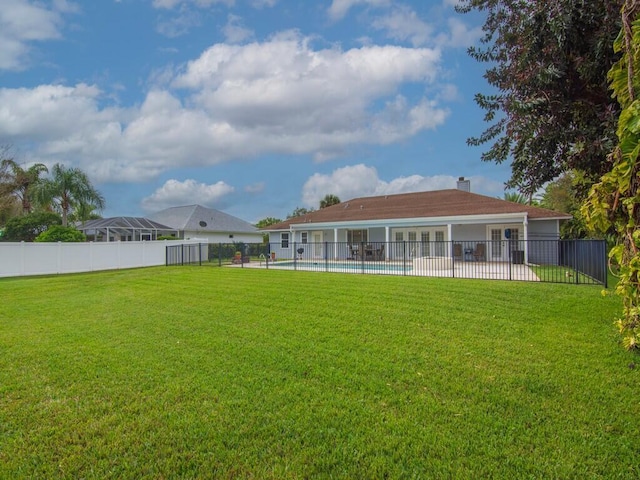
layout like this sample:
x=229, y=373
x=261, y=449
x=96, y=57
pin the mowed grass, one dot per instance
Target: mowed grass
x=191, y=372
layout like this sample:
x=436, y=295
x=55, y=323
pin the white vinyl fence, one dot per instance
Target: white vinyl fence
x=26, y=258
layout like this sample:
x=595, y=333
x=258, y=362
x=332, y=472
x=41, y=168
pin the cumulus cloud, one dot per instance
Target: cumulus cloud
x=403, y=24
x=363, y=181
x=23, y=22
x=280, y=96
x=339, y=8
x=174, y=193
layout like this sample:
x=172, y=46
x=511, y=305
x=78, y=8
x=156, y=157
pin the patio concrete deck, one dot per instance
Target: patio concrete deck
x=479, y=270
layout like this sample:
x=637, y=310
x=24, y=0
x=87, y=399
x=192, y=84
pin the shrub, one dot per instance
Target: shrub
x=58, y=233
x=27, y=227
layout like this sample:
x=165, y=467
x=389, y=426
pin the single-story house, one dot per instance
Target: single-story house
x=123, y=229
x=443, y=223
x=196, y=221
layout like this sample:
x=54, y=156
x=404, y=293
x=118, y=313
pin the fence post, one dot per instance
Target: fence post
x=404, y=258
x=605, y=265
x=453, y=257
x=326, y=256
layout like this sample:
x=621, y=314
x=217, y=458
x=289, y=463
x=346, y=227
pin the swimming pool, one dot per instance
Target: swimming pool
x=344, y=267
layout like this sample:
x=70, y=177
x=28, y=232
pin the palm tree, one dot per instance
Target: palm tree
x=66, y=188
x=328, y=200
x=18, y=183
x=82, y=212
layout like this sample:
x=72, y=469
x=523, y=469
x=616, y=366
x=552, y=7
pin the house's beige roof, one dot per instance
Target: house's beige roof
x=434, y=204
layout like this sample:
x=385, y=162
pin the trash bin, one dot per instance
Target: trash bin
x=517, y=257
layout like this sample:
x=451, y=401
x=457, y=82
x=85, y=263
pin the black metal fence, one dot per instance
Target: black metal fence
x=187, y=254
x=560, y=261
x=216, y=253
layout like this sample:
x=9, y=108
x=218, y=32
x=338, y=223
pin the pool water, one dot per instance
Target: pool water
x=342, y=266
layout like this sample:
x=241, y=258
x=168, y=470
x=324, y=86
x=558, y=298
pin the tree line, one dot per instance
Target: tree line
x=38, y=205
x=565, y=112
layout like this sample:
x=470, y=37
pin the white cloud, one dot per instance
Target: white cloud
x=23, y=22
x=459, y=34
x=263, y=3
x=313, y=101
x=170, y=4
x=234, y=31
x=403, y=24
x=363, y=181
x=276, y=97
x=255, y=188
x=339, y=8
x=179, y=25
x=175, y=193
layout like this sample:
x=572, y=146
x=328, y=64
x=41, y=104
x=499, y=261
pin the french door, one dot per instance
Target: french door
x=503, y=240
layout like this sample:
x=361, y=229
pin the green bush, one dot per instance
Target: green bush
x=167, y=237
x=58, y=233
x=27, y=227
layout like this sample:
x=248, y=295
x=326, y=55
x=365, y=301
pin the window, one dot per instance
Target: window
x=284, y=240
x=304, y=237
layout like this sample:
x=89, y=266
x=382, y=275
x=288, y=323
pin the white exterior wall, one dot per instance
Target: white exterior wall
x=221, y=237
x=544, y=230
x=26, y=258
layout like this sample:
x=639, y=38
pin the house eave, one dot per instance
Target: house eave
x=487, y=218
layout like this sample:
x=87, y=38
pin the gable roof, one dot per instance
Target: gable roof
x=432, y=204
x=196, y=218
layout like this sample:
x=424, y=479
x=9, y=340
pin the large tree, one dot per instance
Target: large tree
x=552, y=110
x=614, y=202
x=18, y=183
x=68, y=187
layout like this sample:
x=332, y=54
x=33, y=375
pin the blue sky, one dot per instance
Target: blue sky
x=253, y=107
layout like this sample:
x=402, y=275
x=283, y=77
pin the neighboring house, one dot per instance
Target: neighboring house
x=431, y=222
x=196, y=221
x=123, y=229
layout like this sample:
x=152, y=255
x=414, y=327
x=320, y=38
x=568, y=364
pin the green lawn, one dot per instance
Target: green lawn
x=191, y=372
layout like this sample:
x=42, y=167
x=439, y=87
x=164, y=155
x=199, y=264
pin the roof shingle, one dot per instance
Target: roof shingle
x=432, y=204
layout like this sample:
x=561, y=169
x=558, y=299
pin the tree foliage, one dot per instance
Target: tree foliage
x=563, y=195
x=18, y=183
x=516, y=197
x=68, y=188
x=548, y=62
x=614, y=202
x=58, y=233
x=26, y=228
x=299, y=211
x=265, y=222
x=328, y=200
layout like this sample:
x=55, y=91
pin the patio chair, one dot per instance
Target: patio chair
x=457, y=251
x=480, y=252
x=380, y=253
